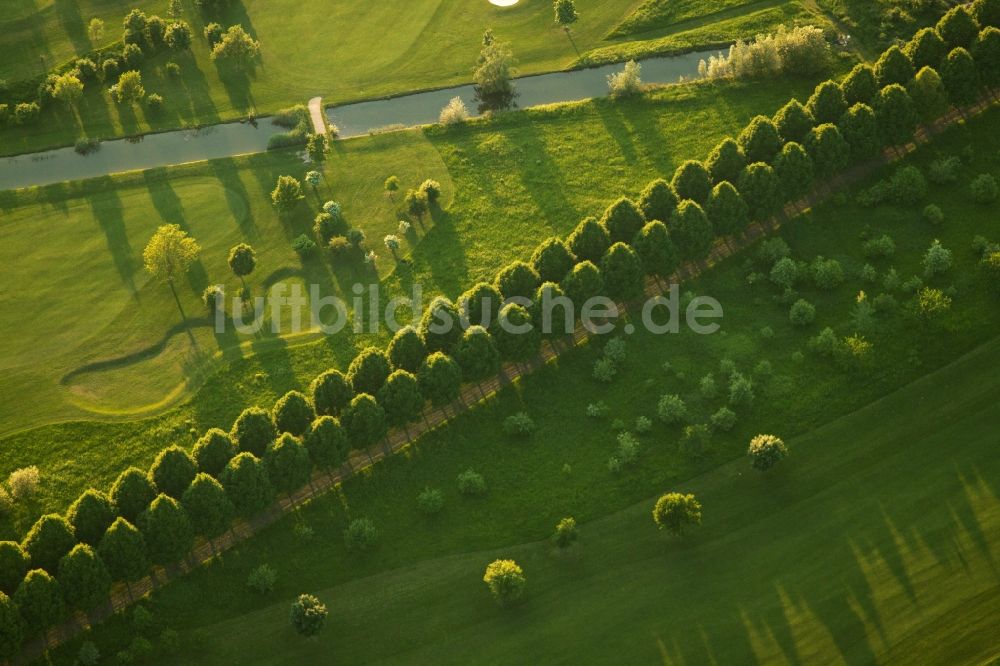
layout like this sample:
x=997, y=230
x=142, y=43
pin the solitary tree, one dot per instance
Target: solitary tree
x=566, y=14
x=129, y=88
x=14, y=563
x=242, y=261
x=392, y=244
x=589, y=241
x=657, y=202
x=369, y=370
x=766, y=451
x=95, y=31
x=132, y=492
x=331, y=392
x=417, y=204
x=91, y=515
x=566, y=533
x=247, y=485
x=208, y=507
x=167, y=530
x=726, y=210
x=40, y=600
x=407, y=349
x=494, y=76
x=675, y=512
x=254, y=430
x=391, y=186
x=173, y=470
x=169, y=254
x=517, y=279
x=760, y=140
x=293, y=413
x=505, y=580
x=123, y=551
x=440, y=379
x=622, y=271
x=84, y=578
x=691, y=231
x=552, y=260
x=286, y=193
x=623, y=220
x=793, y=122
x=308, y=615
x=67, y=88
x=726, y=161
x=213, y=451
x=401, y=398
x=48, y=540
x=656, y=250
x=364, y=421
x=288, y=465
x=692, y=181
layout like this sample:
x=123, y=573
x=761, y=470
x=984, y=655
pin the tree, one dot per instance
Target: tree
x=517, y=279
x=14, y=563
x=760, y=140
x=623, y=220
x=391, y=186
x=178, y=36
x=766, y=451
x=583, y=283
x=827, y=103
x=516, y=336
x=392, y=244
x=566, y=14
x=40, y=601
x=958, y=28
x=896, y=115
x=95, y=31
x=726, y=210
x=794, y=170
x=11, y=627
x=169, y=254
x=692, y=181
x=327, y=443
x=929, y=95
x=128, y=89
x=417, y=204
x=656, y=250
x=566, y=533
x=313, y=178
x=859, y=128
x=123, y=551
x=440, y=325
x=407, y=349
x=926, y=49
x=725, y=161
x=213, y=451
x=987, y=56
x=552, y=311
x=657, y=202
x=761, y=189
x=506, y=581
x=247, y=485
x=401, y=398
x=132, y=492
x=331, y=392
x=173, y=470
x=236, y=47
x=308, y=615
x=369, y=370
x=254, y=430
x=47, y=541
x=960, y=77
x=287, y=463
x=287, y=193
x=986, y=12
x=439, y=379
x=364, y=421
x=167, y=530
x=84, y=578
x=208, y=507
x=91, y=515
x=293, y=413
x=675, y=512
x=828, y=149
x=552, y=260
x=861, y=85
x=67, y=88
x=589, y=241
x=242, y=261
x=893, y=67
x=793, y=122
x=494, y=76
x=622, y=271
x=477, y=354
x=691, y=231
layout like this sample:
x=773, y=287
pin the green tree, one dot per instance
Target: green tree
x=794, y=170
x=167, y=530
x=288, y=465
x=327, y=443
x=11, y=627
x=517, y=279
x=173, y=470
x=331, y=392
x=692, y=181
x=67, y=88
x=656, y=250
x=893, y=67
x=91, y=515
x=675, y=512
x=308, y=615
x=589, y=241
x=896, y=115
x=760, y=140
x=208, y=506
x=477, y=354
x=623, y=220
x=766, y=451
x=439, y=379
x=859, y=128
x=369, y=370
x=123, y=551
x=417, y=204
x=401, y=398
x=47, y=541
x=958, y=28
x=480, y=305
x=987, y=56
x=236, y=47
x=960, y=77
x=169, y=254
x=566, y=533
x=986, y=12
x=254, y=430
x=493, y=76
x=566, y=14
x=552, y=310
x=552, y=260
x=926, y=49
x=725, y=161
x=84, y=578
x=247, y=485
x=242, y=261
x=726, y=210
x=793, y=122
x=691, y=231
x=14, y=564
x=622, y=271
x=287, y=193
x=929, y=95
x=441, y=325
x=391, y=186
x=128, y=89
x=213, y=451
x=364, y=421
x=827, y=104
x=583, y=283
x=40, y=600
x=506, y=581
x=293, y=413
x=516, y=336
x=828, y=149
x=657, y=202
x=407, y=349
x=861, y=85
x=132, y=492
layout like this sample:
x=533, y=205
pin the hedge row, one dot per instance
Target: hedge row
x=153, y=517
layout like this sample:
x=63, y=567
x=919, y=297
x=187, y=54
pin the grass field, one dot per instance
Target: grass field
x=784, y=569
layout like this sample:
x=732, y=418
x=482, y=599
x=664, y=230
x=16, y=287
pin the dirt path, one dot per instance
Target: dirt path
x=316, y=113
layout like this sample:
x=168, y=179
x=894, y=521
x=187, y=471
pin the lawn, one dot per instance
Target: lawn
x=785, y=567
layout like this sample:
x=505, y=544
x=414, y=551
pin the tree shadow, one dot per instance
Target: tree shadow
x=106, y=208
x=72, y=23
x=237, y=197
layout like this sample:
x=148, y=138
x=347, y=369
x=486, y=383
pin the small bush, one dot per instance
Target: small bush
x=303, y=245
x=882, y=247
x=912, y=285
x=741, y=391
x=626, y=454
x=85, y=146
x=597, y=410
x=454, y=112
x=566, y=533
x=827, y=273
x=172, y=69
x=154, y=102
x=825, y=344
x=626, y=82
x=471, y=483
x=785, y=273
x=707, y=386
x=908, y=186
x=643, y=424
x=360, y=534
x=88, y=655
x=802, y=313
x=614, y=350
x=771, y=251
x=937, y=260
x=723, y=420
x=23, y=483
x=868, y=273
x=518, y=425
x=262, y=579
x=671, y=409
x=430, y=501
x=605, y=370
x=985, y=189
x=944, y=171
x=143, y=621
x=933, y=214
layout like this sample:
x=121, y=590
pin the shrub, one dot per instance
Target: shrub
x=785, y=273
x=985, y=189
x=430, y=501
x=802, y=313
x=643, y=424
x=766, y=451
x=626, y=82
x=597, y=410
x=262, y=579
x=88, y=655
x=675, y=512
x=518, y=425
x=882, y=247
x=741, y=391
x=154, y=102
x=723, y=420
x=23, y=483
x=827, y=273
x=933, y=214
x=360, y=534
x=944, y=171
x=605, y=370
x=773, y=250
x=626, y=454
x=454, y=112
x=908, y=186
x=506, y=581
x=308, y=615
x=707, y=386
x=471, y=483
x=937, y=260
x=671, y=409
x=566, y=533
x=172, y=69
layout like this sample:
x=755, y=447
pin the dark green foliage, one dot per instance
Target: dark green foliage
x=11, y=627
x=167, y=530
x=480, y=305
x=958, y=28
x=14, y=563
x=213, y=451
x=364, y=421
x=623, y=273
x=308, y=615
x=516, y=337
x=369, y=370
x=656, y=249
x=828, y=149
x=926, y=49
x=893, y=67
x=293, y=413
x=207, y=506
x=761, y=189
x=247, y=485
x=986, y=12
x=552, y=311
x=47, y=541
x=861, y=85
x=328, y=226
x=929, y=94
x=123, y=551
x=794, y=169
x=859, y=128
x=896, y=115
x=760, y=140
x=242, y=260
x=589, y=241
x=517, y=279
x=327, y=443
x=657, y=202
x=91, y=515
x=552, y=260
x=440, y=379
x=827, y=103
x=440, y=325
x=726, y=210
x=407, y=350
x=725, y=162
x=401, y=398
x=254, y=431
x=40, y=600
x=84, y=578
x=691, y=181
x=173, y=470
x=793, y=122
x=287, y=464
x=691, y=231
x=987, y=56
x=960, y=77
x=331, y=392
x=132, y=492
x=583, y=283
x=477, y=354
x=674, y=512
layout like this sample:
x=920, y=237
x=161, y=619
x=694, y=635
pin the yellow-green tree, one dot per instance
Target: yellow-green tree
x=170, y=253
